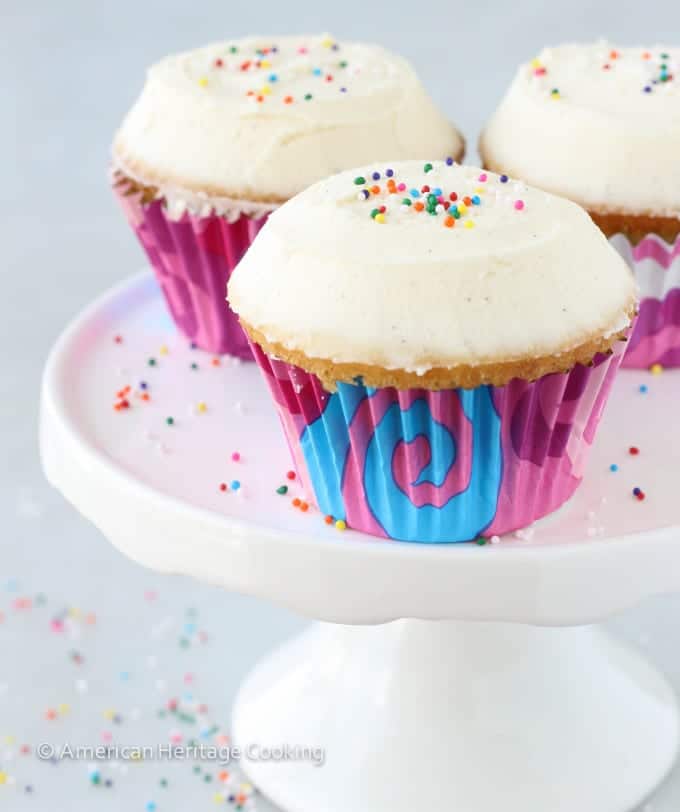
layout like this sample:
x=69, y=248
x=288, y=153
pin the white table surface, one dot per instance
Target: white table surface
x=69, y=72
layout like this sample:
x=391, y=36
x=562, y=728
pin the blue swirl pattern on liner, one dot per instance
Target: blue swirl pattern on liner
x=463, y=516
x=333, y=440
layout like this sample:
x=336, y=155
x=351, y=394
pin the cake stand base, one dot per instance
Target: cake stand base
x=451, y=716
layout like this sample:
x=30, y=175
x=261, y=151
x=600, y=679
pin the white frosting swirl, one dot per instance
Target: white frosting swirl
x=260, y=120
x=520, y=274
x=597, y=123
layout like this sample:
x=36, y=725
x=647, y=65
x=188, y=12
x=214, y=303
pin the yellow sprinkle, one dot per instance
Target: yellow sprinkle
x=9, y=739
x=462, y=208
x=163, y=350
x=109, y=714
x=203, y=82
x=469, y=224
x=327, y=42
x=656, y=369
x=480, y=190
x=3, y=777
x=63, y=709
x=266, y=90
x=536, y=63
x=201, y=407
x=218, y=797
x=379, y=218
x=340, y=525
x=246, y=787
x=265, y=63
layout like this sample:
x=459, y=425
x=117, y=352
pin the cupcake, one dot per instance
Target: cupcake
x=439, y=341
x=601, y=125
x=222, y=135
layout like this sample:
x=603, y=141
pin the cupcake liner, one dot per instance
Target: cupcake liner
x=440, y=466
x=656, y=266
x=193, y=257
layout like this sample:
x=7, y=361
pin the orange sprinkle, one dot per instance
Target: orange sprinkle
x=288, y=100
x=450, y=222
x=296, y=502
x=646, y=55
x=304, y=507
x=215, y=362
x=145, y=396
x=418, y=206
x=613, y=54
x=375, y=190
x=328, y=519
x=467, y=201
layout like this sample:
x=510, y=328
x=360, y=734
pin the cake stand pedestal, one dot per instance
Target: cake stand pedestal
x=467, y=699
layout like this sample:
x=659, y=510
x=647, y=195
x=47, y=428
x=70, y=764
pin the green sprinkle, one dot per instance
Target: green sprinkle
x=152, y=362
x=170, y=421
x=343, y=64
x=480, y=542
x=282, y=490
x=308, y=96
x=207, y=778
x=427, y=168
x=406, y=201
x=360, y=181
x=233, y=50
x=197, y=769
x=374, y=212
x=194, y=365
x=163, y=782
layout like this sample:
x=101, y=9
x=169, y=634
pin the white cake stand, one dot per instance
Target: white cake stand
x=432, y=711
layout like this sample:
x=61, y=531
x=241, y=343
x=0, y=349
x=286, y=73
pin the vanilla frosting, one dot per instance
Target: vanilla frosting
x=261, y=119
x=505, y=272
x=597, y=123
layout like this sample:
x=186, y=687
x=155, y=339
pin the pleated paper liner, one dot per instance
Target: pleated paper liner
x=441, y=466
x=656, y=266
x=193, y=258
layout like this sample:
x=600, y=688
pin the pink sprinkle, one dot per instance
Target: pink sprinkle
x=519, y=205
x=188, y=679
x=483, y=177
x=57, y=626
x=236, y=456
x=402, y=187
x=175, y=736
x=106, y=736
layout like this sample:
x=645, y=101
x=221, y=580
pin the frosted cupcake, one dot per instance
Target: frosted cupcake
x=222, y=135
x=440, y=343
x=601, y=125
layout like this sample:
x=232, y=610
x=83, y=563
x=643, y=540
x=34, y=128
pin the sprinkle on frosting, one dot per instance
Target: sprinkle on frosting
x=436, y=201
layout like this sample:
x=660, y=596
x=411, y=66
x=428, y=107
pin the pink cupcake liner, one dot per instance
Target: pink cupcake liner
x=193, y=258
x=656, y=266
x=440, y=466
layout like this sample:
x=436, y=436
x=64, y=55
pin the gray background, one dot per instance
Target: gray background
x=68, y=71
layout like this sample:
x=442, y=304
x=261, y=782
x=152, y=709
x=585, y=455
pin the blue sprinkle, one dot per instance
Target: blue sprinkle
x=193, y=345
x=376, y=176
x=437, y=192
x=343, y=90
x=414, y=193
x=389, y=172
x=317, y=71
x=504, y=178
x=614, y=467
x=475, y=200
x=235, y=485
x=151, y=807
x=647, y=89
x=273, y=77
x=143, y=385
x=644, y=388
x=449, y=161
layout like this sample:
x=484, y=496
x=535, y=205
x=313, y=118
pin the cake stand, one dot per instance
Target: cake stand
x=487, y=691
